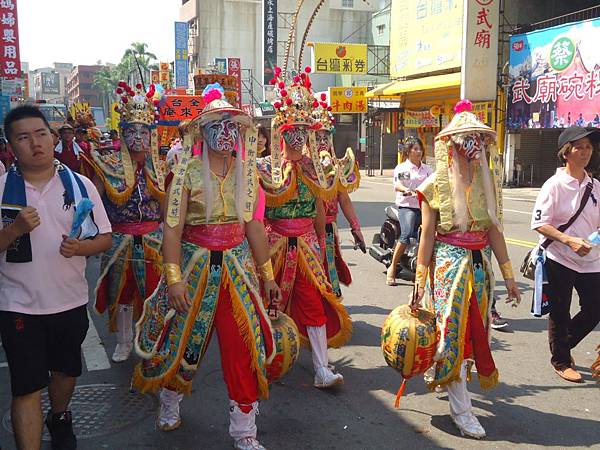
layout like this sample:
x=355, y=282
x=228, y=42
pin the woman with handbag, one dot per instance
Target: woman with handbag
x=570, y=197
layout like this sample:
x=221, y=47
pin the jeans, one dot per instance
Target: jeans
x=564, y=332
x=410, y=220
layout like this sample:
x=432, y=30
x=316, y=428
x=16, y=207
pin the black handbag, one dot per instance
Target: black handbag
x=528, y=265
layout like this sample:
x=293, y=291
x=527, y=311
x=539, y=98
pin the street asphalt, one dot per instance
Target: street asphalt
x=531, y=408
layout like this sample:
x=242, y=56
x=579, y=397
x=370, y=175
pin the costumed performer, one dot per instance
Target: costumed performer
x=295, y=187
x=131, y=183
x=461, y=203
x=348, y=179
x=211, y=281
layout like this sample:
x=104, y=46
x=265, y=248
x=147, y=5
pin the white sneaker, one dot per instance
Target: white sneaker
x=122, y=352
x=168, y=414
x=468, y=425
x=248, y=443
x=325, y=378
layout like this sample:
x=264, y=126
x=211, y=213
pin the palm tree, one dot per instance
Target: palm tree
x=139, y=55
x=105, y=80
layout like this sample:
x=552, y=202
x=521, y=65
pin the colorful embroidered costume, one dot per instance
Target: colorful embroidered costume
x=461, y=278
x=133, y=193
x=217, y=271
x=295, y=183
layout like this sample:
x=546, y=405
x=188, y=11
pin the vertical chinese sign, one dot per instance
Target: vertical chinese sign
x=554, y=77
x=480, y=50
x=164, y=74
x=181, y=55
x=10, y=62
x=269, y=39
x=234, y=67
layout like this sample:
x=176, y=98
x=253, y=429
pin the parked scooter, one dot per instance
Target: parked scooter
x=384, y=243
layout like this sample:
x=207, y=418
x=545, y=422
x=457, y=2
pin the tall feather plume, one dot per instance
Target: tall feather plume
x=308, y=27
x=291, y=37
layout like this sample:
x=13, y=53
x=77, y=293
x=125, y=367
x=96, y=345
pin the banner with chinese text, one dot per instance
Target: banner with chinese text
x=339, y=58
x=10, y=61
x=420, y=119
x=180, y=107
x=269, y=39
x=425, y=36
x=181, y=55
x=554, y=77
x=348, y=100
x=234, y=68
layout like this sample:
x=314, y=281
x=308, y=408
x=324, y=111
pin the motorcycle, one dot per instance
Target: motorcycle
x=384, y=243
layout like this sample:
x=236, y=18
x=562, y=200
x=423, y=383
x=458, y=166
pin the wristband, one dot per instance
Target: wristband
x=421, y=275
x=265, y=271
x=354, y=223
x=172, y=273
x=507, y=270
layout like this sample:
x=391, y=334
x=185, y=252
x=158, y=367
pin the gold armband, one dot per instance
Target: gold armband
x=507, y=270
x=172, y=273
x=265, y=271
x=421, y=275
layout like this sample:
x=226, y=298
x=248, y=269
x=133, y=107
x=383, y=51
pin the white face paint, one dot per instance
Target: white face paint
x=323, y=140
x=137, y=137
x=471, y=147
x=296, y=138
x=221, y=135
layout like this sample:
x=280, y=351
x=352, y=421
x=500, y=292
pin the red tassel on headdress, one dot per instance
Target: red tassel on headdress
x=463, y=105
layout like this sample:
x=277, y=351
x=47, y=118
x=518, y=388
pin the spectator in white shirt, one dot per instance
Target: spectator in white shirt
x=408, y=175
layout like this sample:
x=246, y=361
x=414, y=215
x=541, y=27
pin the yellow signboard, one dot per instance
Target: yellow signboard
x=339, y=58
x=425, y=36
x=115, y=117
x=348, y=100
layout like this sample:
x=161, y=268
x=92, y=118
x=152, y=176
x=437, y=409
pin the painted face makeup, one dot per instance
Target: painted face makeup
x=322, y=140
x=471, y=147
x=296, y=138
x=137, y=137
x=221, y=135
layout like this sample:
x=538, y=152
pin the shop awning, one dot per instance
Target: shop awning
x=422, y=84
x=378, y=91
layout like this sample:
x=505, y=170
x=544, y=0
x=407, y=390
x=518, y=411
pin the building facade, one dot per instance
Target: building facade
x=217, y=32
x=80, y=88
x=50, y=83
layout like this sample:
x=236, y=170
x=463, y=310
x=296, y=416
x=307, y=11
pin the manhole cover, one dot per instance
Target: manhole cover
x=100, y=409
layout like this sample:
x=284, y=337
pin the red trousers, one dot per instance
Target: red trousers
x=241, y=381
x=307, y=303
x=476, y=340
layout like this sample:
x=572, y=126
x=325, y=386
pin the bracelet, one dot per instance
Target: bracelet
x=421, y=275
x=172, y=273
x=507, y=270
x=265, y=271
x=354, y=224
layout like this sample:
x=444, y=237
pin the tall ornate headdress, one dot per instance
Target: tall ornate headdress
x=136, y=105
x=465, y=123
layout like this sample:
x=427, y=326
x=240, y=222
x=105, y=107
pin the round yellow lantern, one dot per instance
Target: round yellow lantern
x=287, y=346
x=409, y=342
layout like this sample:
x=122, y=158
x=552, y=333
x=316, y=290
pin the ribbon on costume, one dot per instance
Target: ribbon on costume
x=251, y=146
x=314, y=156
x=176, y=192
x=156, y=162
x=276, y=172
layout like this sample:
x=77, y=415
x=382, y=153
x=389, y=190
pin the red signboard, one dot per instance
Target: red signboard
x=181, y=107
x=10, y=62
x=234, y=67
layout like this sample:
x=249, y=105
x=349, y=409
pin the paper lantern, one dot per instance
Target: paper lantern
x=287, y=346
x=409, y=342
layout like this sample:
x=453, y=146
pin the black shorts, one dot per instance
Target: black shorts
x=38, y=344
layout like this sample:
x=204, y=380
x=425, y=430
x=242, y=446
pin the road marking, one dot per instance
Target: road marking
x=517, y=211
x=520, y=243
x=93, y=351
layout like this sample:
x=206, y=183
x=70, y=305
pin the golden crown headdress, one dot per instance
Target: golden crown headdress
x=81, y=116
x=323, y=115
x=136, y=105
x=295, y=102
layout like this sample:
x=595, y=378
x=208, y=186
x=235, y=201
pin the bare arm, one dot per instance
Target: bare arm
x=259, y=245
x=578, y=245
x=428, y=223
x=27, y=220
x=498, y=244
x=347, y=206
x=88, y=247
x=8, y=235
